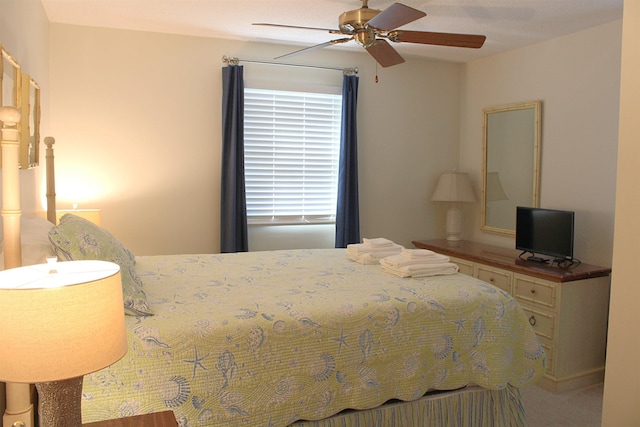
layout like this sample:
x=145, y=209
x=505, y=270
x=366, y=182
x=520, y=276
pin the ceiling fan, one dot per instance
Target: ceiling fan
x=371, y=28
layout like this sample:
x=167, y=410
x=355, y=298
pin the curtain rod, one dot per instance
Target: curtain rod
x=236, y=61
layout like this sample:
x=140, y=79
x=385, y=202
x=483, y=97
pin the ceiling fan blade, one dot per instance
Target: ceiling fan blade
x=384, y=53
x=315, y=47
x=297, y=27
x=395, y=16
x=440, y=39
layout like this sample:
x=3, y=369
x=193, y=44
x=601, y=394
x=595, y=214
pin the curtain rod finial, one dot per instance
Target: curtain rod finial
x=230, y=60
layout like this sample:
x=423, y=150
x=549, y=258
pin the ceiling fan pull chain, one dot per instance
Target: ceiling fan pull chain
x=376, y=71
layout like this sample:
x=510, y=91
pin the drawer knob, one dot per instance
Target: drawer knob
x=491, y=279
x=532, y=320
x=533, y=291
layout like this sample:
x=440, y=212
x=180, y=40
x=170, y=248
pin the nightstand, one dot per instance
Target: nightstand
x=156, y=419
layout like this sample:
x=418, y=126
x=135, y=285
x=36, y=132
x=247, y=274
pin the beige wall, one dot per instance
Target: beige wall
x=577, y=78
x=109, y=100
x=137, y=120
x=622, y=378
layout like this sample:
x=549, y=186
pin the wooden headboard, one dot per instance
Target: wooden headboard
x=19, y=397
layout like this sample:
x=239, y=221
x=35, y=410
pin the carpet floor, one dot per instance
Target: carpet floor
x=578, y=408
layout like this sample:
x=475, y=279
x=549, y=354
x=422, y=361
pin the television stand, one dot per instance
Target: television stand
x=537, y=259
x=567, y=307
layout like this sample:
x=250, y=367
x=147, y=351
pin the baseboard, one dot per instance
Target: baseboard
x=563, y=385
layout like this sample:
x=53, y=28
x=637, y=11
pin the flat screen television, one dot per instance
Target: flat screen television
x=545, y=232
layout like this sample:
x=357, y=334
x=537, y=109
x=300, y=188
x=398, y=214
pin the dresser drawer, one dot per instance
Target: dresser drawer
x=464, y=266
x=495, y=276
x=543, y=323
x=535, y=291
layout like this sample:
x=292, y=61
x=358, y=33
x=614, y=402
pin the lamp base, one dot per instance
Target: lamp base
x=19, y=411
x=59, y=403
x=454, y=223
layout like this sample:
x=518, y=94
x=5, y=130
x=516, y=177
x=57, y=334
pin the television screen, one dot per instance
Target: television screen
x=545, y=231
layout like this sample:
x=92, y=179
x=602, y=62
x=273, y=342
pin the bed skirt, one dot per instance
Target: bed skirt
x=469, y=407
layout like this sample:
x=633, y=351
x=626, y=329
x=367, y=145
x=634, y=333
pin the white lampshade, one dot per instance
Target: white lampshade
x=60, y=321
x=495, y=192
x=453, y=187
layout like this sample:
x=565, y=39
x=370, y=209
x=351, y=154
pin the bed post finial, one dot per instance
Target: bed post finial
x=51, y=181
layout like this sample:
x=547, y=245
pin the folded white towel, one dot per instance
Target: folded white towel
x=422, y=270
x=417, y=253
x=401, y=260
x=361, y=248
x=368, y=258
x=377, y=242
x=371, y=251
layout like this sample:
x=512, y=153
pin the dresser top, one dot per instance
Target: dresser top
x=509, y=259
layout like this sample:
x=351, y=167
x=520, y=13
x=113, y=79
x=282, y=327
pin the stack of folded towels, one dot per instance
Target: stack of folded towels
x=371, y=251
x=418, y=263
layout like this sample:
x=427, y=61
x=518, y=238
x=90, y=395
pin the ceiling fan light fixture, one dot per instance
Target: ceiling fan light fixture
x=365, y=37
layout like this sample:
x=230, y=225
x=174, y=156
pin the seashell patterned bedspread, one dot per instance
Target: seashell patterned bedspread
x=267, y=338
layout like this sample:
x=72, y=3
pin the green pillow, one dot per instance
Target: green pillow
x=76, y=238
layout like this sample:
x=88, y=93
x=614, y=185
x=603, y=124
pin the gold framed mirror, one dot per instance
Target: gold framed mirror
x=30, y=123
x=511, y=164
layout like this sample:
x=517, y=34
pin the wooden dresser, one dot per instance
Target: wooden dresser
x=568, y=308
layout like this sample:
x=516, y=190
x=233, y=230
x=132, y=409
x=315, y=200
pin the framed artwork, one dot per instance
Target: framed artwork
x=10, y=75
x=10, y=82
x=29, y=123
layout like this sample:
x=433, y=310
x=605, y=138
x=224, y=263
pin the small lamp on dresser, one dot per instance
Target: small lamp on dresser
x=453, y=187
x=58, y=322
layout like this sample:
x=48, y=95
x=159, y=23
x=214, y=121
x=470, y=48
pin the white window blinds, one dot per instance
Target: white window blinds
x=291, y=151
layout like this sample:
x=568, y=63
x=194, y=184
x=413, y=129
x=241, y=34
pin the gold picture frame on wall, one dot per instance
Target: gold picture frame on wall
x=10, y=78
x=29, y=123
x=10, y=82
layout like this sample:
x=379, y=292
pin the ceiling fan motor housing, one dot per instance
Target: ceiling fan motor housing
x=355, y=22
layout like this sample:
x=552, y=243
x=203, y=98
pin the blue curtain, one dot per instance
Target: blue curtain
x=233, y=204
x=347, y=212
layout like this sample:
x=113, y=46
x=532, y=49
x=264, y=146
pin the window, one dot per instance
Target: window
x=291, y=153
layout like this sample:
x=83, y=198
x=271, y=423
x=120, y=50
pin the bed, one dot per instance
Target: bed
x=303, y=338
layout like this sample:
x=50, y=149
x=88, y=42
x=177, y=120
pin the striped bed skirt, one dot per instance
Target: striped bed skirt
x=468, y=407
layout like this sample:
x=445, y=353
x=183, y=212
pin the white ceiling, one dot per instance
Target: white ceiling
x=508, y=24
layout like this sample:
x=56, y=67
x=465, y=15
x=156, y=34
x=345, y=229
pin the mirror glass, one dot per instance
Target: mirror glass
x=511, y=164
x=30, y=123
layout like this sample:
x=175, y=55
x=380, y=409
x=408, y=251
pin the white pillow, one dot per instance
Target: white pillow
x=34, y=237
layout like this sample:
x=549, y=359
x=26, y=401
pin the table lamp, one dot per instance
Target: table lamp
x=58, y=322
x=93, y=215
x=454, y=187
